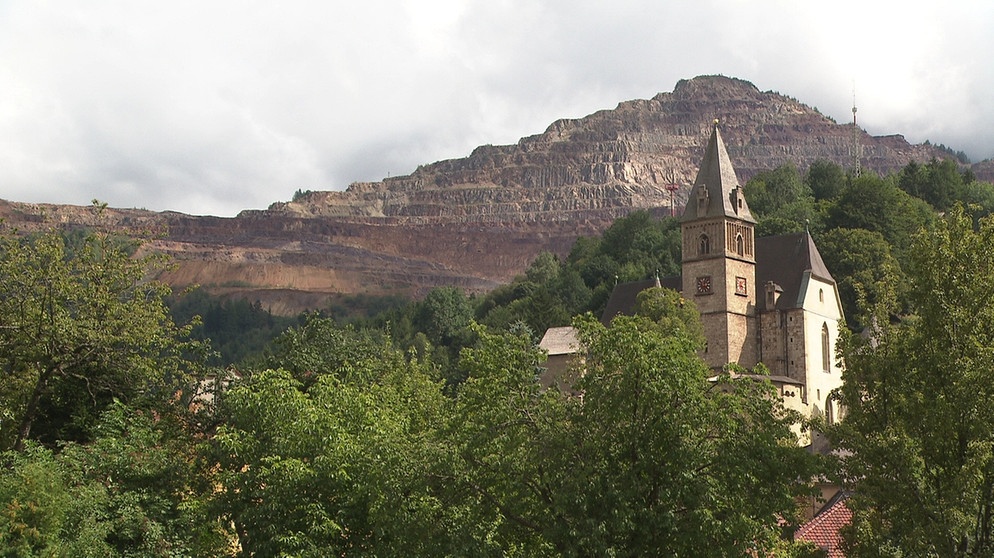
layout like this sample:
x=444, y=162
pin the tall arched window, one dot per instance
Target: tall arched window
x=826, y=349
x=739, y=245
x=704, y=247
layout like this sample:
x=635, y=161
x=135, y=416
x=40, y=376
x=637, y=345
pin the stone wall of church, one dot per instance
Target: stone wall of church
x=742, y=340
x=772, y=348
x=796, y=357
x=730, y=338
x=740, y=287
x=692, y=240
x=783, y=344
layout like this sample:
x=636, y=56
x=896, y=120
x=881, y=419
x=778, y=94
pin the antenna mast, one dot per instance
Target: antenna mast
x=673, y=186
x=856, y=149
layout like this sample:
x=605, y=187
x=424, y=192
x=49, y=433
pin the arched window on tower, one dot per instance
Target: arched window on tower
x=704, y=247
x=826, y=349
x=739, y=244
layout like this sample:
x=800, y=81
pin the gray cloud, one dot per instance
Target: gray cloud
x=213, y=107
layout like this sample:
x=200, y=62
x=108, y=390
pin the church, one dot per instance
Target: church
x=767, y=300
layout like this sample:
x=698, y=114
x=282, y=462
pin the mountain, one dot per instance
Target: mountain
x=476, y=222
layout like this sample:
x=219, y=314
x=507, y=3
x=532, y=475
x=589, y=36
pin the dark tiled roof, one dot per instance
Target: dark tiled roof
x=717, y=177
x=784, y=259
x=623, y=297
x=823, y=529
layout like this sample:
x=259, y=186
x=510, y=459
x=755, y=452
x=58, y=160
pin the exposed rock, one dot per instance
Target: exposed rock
x=476, y=222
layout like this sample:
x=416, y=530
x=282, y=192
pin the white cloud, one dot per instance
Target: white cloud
x=219, y=106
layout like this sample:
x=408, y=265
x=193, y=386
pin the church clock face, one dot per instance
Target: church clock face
x=704, y=285
x=740, y=286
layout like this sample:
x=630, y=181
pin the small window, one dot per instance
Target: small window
x=739, y=244
x=821, y=295
x=826, y=349
x=704, y=247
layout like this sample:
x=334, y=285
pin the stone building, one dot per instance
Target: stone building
x=762, y=300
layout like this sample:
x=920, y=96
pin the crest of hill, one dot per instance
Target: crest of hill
x=478, y=221
x=613, y=159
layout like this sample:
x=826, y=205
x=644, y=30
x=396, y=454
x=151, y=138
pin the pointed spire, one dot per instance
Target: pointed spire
x=716, y=191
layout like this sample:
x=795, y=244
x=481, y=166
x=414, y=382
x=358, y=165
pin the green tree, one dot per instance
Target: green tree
x=322, y=347
x=673, y=314
x=544, y=269
x=876, y=204
x=444, y=314
x=978, y=198
x=770, y=191
x=345, y=467
x=80, y=329
x=865, y=270
x=781, y=202
x=940, y=183
x=654, y=460
x=918, y=434
x=826, y=179
x=136, y=490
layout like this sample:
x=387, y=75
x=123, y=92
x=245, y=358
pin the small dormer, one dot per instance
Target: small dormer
x=702, y=201
x=738, y=201
x=773, y=292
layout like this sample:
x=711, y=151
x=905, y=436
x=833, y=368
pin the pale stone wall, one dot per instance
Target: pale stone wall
x=743, y=334
x=733, y=301
x=792, y=396
x=821, y=308
x=715, y=326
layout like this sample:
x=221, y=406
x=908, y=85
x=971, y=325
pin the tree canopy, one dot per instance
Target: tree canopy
x=918, y=434
x=79, y=329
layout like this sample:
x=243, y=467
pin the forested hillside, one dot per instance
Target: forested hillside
x=420, y=429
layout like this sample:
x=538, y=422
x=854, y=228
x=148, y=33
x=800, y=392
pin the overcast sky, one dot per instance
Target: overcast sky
x=210, y=107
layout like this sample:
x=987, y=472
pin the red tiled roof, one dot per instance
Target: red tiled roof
x=823, y=529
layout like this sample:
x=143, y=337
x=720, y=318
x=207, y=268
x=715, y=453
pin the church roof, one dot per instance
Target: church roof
x=716, y=191
x=785, y=259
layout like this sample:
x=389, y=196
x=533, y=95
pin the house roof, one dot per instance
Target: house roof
x=624, y=296
x=560, y=341
x=823, y=529
x=716, y=191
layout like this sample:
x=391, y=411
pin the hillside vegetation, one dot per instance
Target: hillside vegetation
x=421, y=430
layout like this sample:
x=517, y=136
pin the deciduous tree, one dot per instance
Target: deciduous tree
x=918, y=434
x=78, y=329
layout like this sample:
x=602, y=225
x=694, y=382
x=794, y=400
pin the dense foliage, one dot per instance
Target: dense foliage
x=919, y=432
x=344, y=443
x=421, y=430
x=81, y=328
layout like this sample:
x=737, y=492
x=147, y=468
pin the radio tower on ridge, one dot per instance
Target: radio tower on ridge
x=856, y=148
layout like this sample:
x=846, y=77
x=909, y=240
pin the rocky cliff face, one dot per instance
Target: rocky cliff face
x=476, y=222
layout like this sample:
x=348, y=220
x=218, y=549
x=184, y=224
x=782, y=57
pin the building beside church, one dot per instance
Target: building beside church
x=762, y=300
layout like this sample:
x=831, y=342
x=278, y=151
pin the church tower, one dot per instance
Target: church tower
x=719, y=259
